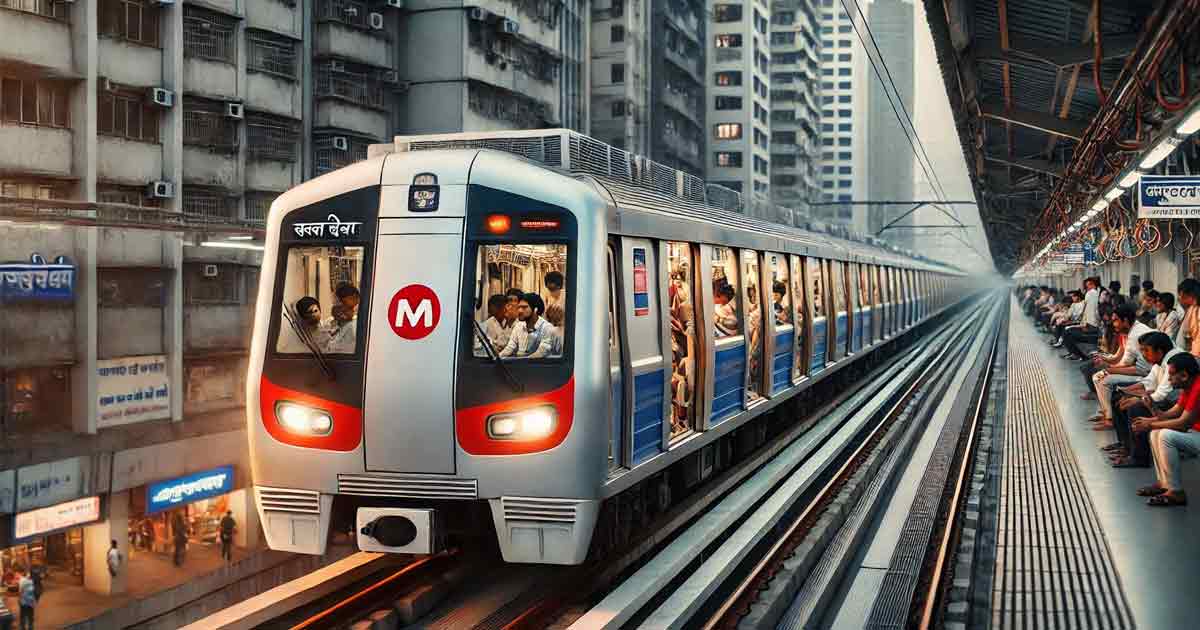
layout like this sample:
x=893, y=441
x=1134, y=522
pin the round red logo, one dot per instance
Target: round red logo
x=414, y=311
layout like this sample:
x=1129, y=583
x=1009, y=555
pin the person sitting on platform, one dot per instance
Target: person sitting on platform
x=1148, y=307
x=1153, y=392
x=1088, y=330
x=1173, y=433
x=1170, y=315
x=1069, y=317
x=1131, y=367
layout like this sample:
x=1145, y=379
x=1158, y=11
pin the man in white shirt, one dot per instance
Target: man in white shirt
x=114, y=559
x=1132, y=450
x=496, y=327
x=533, y=337
x=1129, y=369
x=1088, y=330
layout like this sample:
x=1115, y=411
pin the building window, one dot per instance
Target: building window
x=843, y=170
x=827, y=155
x=827, y=72
x=845, y=85
x=618, y=8
x=826, y=142
x=31, y=189
x=760, y=165
x=827, y=113
x=210, y=205
x=331, y=152
x=618, y=109
x=729, y=40
x=270, y=53
x=127, y=114
x=844, y=98
x=209, y=35
x=729, y=159
x=826, y=56
x=271, y=137
x=827, y=85
x=128, y=195
x=727, y=13
x=728, y=131
x=205, y=124
x=843, y=72
x=618, y=33
x=207, y=283
x=32, y=102
x=844, y=127
x=827, y=169
x=731, y=78
x=827, y=30
x=618, y=73
x=844, y=57
x=845, y=155
x=356, y=83
x=34, y=400
x=827, y=184
x=844, y=142
x=724, y=103
x=131, y=20
x=845, y=43
x=827, y=127
x=784, y=160
x=123, y=287
x=845, y=113
x=845, y=28
x=783, y=17
x=258, y=205
x=354, y=13
x=844, y=183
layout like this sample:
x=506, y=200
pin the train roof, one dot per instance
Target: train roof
x=638, y=184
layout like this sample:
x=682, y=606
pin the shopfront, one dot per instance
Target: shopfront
x=51, y=539
x=193, y=504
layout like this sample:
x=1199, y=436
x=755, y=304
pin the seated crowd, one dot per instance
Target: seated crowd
x=1138, y=356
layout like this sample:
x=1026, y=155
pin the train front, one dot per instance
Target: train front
x=422, y=364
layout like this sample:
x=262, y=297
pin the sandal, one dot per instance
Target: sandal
x=1150, y=491
x=1103, y=425
x=1115, y=446
x=1166, y=499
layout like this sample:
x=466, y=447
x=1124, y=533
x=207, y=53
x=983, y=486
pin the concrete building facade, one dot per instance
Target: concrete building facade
x=678, y=70
x=845, y=138
x=891, y=161
x=738, y=98
x=795, y=105
x=620, y=64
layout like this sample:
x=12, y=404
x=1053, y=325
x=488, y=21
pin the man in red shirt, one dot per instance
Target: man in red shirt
x=1173, y=433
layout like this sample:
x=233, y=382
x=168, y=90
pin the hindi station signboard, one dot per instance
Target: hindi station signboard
x=133, y=389
x=1168, y=197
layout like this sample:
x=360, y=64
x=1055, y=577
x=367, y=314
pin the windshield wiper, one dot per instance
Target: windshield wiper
x=314, y=350
x=483, y=340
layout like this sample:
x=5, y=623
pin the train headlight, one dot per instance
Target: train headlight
x=303, y=420
x=527, y=424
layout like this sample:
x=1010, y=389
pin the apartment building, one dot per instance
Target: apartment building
x=492, y=65
x=845, y=139
x=677, y=77
x=621, y=74
x=738, y=98
x=145, y=141
x=891, y=164
x=795, y=109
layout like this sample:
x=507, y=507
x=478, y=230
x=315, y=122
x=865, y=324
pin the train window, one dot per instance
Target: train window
x=781, y=298
x=864, y=286
x=726, y=321
x=798, y=309
x=839, y=286
x=754, y=322
x=320, y=300
x=683, y=338
x=818, y=296
x=523, y=292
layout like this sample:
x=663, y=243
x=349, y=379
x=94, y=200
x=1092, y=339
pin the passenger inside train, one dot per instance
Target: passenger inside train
x=522, y=306
x=683, y=339
x=315, y=277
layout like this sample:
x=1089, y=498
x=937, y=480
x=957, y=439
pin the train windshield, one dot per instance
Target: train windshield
x=320, y=300
x=522, y=299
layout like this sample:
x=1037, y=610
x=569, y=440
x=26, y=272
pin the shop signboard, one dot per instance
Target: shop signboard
x=132, y=389
x=56, y=517
x=165, y=495
x=38, y=280
x=1168, y=197
x=48, y=484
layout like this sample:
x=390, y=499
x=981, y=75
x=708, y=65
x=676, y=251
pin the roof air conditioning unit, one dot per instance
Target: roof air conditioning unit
x=477, y=14
x=391, y=76
x=161, y=190
x=510, y=26
x=162, y=97
x=234, y=110
x=396, y=4
x=376, y=21
x=341, y=143
x=210, y=271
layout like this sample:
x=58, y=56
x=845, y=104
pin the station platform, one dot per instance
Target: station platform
x=1076, y=547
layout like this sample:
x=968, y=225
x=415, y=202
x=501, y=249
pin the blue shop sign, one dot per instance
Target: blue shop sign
x=37, y=280
x=1168, y=197
x=165, y=495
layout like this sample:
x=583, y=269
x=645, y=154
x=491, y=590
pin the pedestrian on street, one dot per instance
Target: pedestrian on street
x=180, y=538
x=28, y=600
x=228, y=527
x=114, y=559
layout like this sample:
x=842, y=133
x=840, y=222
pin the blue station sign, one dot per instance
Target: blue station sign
x=165, y=495
x=1168, y=197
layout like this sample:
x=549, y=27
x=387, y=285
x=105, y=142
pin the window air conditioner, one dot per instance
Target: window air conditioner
x=162, y=97
x=161, y=190
x=341, y=143
x=234, y=110
x=210, y=271
x=396, y=4
x=376, y=21
x=477, y=14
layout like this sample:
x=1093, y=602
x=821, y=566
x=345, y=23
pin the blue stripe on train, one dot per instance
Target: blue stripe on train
x=841, y=331
x=817, y=360
x=857, y=342
x=729, y=382
x=868, y=326
x=647, y=415
x=781, y=372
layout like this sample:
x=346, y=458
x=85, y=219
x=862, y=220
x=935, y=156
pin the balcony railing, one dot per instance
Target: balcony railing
x=356, y=86
x=56, y=9
x=729, y=54
x=114, y=215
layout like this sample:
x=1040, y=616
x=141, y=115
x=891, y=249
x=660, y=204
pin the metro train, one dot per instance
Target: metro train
x=389, y=394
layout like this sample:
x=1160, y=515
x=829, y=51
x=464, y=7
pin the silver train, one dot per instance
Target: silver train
x=503, y=331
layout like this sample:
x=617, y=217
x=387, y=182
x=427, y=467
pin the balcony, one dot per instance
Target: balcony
x=688, y=64
x=687, y=107
x=37, y=39
x=43, y=150
x=726, y=55
x=334, y=39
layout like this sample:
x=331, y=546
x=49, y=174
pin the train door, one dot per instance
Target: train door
x=800, y=320
x=911, y=292
x=729, y=351
x=841, y=340
x=820, y=322
x=752, y=300
x=648, y=365
x=856, y=296
x=685, y=344
x=894, y=326
x=783, y=332
x=616, y=367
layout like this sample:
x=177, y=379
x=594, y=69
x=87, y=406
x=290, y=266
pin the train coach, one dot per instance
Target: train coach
x=389, y=395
